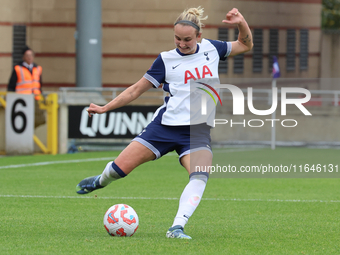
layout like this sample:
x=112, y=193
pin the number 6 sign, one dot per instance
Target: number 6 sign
x=19, y=123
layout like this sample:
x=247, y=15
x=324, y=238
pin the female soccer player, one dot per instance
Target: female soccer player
x=172, y=128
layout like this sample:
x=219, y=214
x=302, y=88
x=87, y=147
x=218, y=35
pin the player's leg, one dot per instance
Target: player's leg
x=132, y=156
x=193, y=192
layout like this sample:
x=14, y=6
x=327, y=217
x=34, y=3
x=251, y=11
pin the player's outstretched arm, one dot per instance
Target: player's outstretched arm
x=128, y=95
x=244, y=42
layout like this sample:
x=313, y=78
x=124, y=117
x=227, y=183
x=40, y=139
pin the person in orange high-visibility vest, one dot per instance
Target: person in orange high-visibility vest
x=26, y=76
x=26, y=79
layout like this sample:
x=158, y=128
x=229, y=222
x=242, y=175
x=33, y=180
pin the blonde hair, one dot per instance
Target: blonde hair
x=194, y=15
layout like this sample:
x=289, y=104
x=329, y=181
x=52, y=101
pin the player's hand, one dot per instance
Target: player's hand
x=233, y=17
x=93, y=109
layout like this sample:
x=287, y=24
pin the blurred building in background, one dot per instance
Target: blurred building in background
x=135, y=32
x=299, y=32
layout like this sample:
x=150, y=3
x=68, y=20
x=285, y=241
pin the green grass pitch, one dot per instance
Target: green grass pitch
x=41, y=213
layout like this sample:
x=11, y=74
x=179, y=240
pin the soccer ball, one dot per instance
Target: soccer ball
x=121, y=220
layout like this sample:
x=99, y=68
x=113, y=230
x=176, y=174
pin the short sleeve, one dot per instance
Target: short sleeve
x=223, y=48
x=156, y=73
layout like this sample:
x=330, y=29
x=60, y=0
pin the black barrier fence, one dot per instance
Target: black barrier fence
x=125, y=122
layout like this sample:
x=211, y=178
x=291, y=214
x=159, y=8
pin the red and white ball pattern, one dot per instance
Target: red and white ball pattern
x=121, y=220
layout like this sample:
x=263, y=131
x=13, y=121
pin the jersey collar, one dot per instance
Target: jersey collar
x=182, y=54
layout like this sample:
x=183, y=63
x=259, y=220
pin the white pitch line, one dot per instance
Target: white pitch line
x=58, y=162
x=86, y=160
x=234, y=150
x=174, y=198
x=65, y=162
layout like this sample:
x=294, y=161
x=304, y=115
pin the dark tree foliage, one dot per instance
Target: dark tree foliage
x=331, y=14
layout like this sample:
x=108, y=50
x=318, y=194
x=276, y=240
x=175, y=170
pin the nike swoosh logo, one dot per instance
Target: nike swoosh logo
x=176, y=66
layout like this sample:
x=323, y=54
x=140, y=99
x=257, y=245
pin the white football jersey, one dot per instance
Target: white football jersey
x=189, y=80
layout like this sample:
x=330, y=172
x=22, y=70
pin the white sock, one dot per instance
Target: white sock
x=190, y=197
x=111, y=173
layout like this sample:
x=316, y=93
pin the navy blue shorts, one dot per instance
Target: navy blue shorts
x=161, y=139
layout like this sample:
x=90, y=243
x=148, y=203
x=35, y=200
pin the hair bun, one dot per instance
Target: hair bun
x=194, y=15
x=194, y=11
